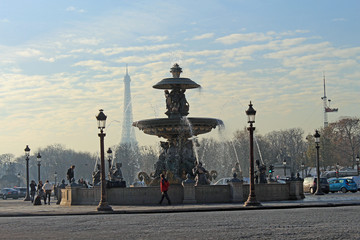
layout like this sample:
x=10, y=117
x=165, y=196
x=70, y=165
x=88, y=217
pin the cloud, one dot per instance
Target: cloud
x=73, y=9
x=118, y=50
x=4, y=20
x=29, y=52
x=153, y=38
x=243, y=37
x=87, y=41
x=89, y=63
x=203, y=36
x=47, y=59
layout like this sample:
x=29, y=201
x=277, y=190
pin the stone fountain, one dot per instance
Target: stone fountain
x=178, y=156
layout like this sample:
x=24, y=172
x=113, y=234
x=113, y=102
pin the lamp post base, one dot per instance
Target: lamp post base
x=319, y=193
x=104, y=206
x=252, y=202
x=27, y=198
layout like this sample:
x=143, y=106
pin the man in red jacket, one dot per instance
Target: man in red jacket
x=164, y=186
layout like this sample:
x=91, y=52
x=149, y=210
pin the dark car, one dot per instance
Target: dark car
x=21, y=191
x=310, y=184
x=9, y=193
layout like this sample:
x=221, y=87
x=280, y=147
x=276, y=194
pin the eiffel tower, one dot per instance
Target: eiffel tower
x=128, y=134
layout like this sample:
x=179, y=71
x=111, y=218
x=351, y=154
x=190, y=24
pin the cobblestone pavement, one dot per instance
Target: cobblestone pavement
x=281, y=224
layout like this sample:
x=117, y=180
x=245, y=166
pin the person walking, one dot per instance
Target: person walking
x=47, y=188
x=70, y=174
x=164, y=187
x=40, y=192
x=32, y=190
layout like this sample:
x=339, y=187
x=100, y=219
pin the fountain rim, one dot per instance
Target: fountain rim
x=171, y=121
x=171, y=83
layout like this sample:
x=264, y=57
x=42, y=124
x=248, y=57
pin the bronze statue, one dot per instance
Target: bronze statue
x=115, y=174
x=96, y=175
x=176, y=103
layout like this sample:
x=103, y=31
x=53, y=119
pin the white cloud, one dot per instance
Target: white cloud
x=47, y=59
x=88, y=41
x=29, y=52
x=153, y=38
x=73, y=9
x=4, y=20
x=243, y=37
x=203, y=36
x=118, y=50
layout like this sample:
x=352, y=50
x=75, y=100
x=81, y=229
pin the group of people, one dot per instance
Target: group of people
x=43, y=191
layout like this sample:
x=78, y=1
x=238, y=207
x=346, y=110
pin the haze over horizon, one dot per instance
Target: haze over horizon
x=63, y=61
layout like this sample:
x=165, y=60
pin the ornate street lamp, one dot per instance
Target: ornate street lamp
x=357, y=163
x=38, y=158
x=18, y=175
x=317, y=141
x=302, y=169
x=27, y=154
x=284, y=164
x=55, y=176
x=251, y=201
x=103, y=205
x=110, y=156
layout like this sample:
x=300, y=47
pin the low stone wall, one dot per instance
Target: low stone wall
x=183, y=194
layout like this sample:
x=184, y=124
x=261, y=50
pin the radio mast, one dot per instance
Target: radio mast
x=327, y=108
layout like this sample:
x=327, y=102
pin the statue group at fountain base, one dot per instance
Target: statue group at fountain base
x=178, y=162
x=115, y=177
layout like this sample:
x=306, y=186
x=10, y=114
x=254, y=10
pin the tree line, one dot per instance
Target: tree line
x=339, y=144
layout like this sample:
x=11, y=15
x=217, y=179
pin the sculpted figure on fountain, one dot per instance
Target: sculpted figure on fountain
x=176, y=103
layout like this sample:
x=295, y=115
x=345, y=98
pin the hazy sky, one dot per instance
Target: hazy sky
x=61, y=61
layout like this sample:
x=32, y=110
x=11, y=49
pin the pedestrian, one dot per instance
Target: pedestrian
x=40, y=191
x=70, y=174
x=164, y=187
x=47, y=188
x=32, y=190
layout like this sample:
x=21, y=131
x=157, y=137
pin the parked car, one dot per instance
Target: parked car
x=21, y=191
x=342, y=184
x=356, y=179
x=224, y=181
x=310, y=185
x=9, y=193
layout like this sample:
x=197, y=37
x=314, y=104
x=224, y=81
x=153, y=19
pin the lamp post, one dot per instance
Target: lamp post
x=27, y=154
x=38, y=159
x=357, y=163
x=284, y=164
x=337, y=170
x=110, y=156
x=251, y=201
x=55, y=176
x=103, y=205
x=317, y=141
x=302, y=169
x=18, y=179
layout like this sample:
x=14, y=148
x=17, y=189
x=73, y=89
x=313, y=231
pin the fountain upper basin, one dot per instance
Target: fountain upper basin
x=170, y=128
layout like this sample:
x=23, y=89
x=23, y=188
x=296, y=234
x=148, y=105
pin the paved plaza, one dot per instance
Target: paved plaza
x=18, y=207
